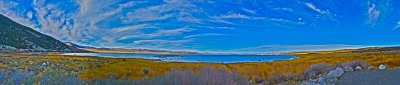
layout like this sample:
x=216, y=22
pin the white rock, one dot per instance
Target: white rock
x=347, y=68
x=382, y=67
x=336, y=73
x=358, y=68
x=45, y=63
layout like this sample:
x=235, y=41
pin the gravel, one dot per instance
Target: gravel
x=370, y=77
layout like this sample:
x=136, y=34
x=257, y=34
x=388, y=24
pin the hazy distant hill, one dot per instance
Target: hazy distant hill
x=14, y=36
x=391, y=50
x=123, y=50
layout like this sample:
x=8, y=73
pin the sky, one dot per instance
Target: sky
x=213, y=25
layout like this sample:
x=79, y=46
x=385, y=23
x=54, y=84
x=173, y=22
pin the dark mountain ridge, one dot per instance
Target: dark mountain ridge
x=124, y=50
x=17, y=37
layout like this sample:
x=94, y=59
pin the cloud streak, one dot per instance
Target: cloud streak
x=312, y=6
x=373, y=14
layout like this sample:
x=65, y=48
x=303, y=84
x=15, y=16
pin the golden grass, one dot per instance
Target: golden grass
x=133, y=68
x=95, y=67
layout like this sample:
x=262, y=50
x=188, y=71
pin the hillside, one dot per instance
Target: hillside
x=124, y=50
x=17, y=37
x=380, y=50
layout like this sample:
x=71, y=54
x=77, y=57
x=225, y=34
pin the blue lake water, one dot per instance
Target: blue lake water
x=193, y=57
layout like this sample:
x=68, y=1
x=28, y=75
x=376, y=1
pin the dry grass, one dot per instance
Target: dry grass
x=134, y=67
x=95, y=67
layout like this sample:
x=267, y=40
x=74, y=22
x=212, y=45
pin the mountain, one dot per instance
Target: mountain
x=383, y=50
x=75, y=47
x=17, y=37
x=123, y=50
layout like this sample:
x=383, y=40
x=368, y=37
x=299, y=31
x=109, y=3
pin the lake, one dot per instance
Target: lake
x=193, y=57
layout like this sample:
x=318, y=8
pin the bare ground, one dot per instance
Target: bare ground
x=371, y=77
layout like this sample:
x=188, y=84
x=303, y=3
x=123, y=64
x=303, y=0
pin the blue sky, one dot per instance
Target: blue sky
x=213, y=25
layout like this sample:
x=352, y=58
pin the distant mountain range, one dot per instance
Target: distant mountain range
x=123, y=50
x=385, y=50
x=17, y=37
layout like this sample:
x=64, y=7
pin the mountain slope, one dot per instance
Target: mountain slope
x=16, y=37
x=81, y=48
x=75, y=47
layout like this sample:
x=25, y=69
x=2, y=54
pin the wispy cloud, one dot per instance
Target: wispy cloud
x=373, y=14
x=130, y=28
x=397, y=26
x=249, y=11
x=6, y=8
x=159, y=33
x=313, y=7
x=203, y=35
x=161, y=44
x=233, y=15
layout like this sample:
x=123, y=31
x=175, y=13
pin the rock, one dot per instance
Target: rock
x=46, y=64
x=321, y=80
x=329, y=80
x=336, y=73
x=358, y=68
x=382, y=67
x=30, y=62
x=347, y=68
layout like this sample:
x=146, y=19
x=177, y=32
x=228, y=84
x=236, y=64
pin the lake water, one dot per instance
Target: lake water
x=193, y=57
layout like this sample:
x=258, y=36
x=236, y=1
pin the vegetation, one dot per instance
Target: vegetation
x=96, y=68
x=14, y=36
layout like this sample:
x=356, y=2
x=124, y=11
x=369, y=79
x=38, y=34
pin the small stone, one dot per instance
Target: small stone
x=358, y=68
x=382, y=67
x=348, y=68
x=46, y=64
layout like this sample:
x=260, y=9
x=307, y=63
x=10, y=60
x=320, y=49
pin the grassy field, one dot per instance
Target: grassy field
x=88, y=68
x=133, y=68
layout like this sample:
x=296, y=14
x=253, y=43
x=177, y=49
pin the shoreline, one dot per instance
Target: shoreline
x=158, y=59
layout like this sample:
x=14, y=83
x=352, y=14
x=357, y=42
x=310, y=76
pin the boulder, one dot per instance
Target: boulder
x=336, y=73
x=329, y=80
x=358, y=68
x=382, y=67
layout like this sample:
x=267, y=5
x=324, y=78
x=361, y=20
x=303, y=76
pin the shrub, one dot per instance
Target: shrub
x=353, y=64
x=276, y=78
x=145, y=71
x=315, y=70
x=206, y=76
